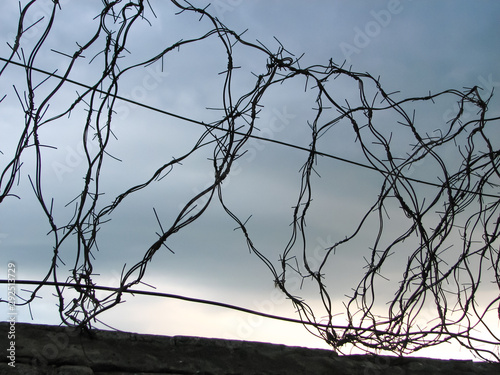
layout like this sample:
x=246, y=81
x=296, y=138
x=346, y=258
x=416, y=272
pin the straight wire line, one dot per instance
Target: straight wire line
x=154, y=109
x=106, y=93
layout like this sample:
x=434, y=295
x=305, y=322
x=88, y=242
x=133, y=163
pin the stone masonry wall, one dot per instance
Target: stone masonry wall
x=42, y=349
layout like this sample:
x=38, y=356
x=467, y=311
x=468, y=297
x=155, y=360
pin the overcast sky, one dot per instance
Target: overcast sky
x=414, y=46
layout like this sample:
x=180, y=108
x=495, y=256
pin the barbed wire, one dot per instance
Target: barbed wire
x=202, y=301
x=435, y=275
x=252, y=136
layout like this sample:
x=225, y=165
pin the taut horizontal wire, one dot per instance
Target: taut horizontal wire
x=197, y=122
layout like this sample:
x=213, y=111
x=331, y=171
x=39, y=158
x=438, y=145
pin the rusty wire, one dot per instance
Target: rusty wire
x=465, y=197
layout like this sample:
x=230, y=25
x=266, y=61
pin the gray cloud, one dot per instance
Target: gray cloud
x=413, y=46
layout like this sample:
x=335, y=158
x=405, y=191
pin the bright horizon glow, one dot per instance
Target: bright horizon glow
x=171, y=317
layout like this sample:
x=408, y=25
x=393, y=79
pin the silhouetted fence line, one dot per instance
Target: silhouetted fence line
x=449, y=236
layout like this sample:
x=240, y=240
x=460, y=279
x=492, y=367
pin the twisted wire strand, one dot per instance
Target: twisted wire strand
x=463, y=190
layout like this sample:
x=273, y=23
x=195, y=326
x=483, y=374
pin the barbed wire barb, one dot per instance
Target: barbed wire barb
x=449, y=235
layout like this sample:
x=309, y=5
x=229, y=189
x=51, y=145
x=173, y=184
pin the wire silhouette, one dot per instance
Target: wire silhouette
x=435, y=275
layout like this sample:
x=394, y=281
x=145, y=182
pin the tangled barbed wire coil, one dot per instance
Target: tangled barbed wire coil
x=462, y=201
